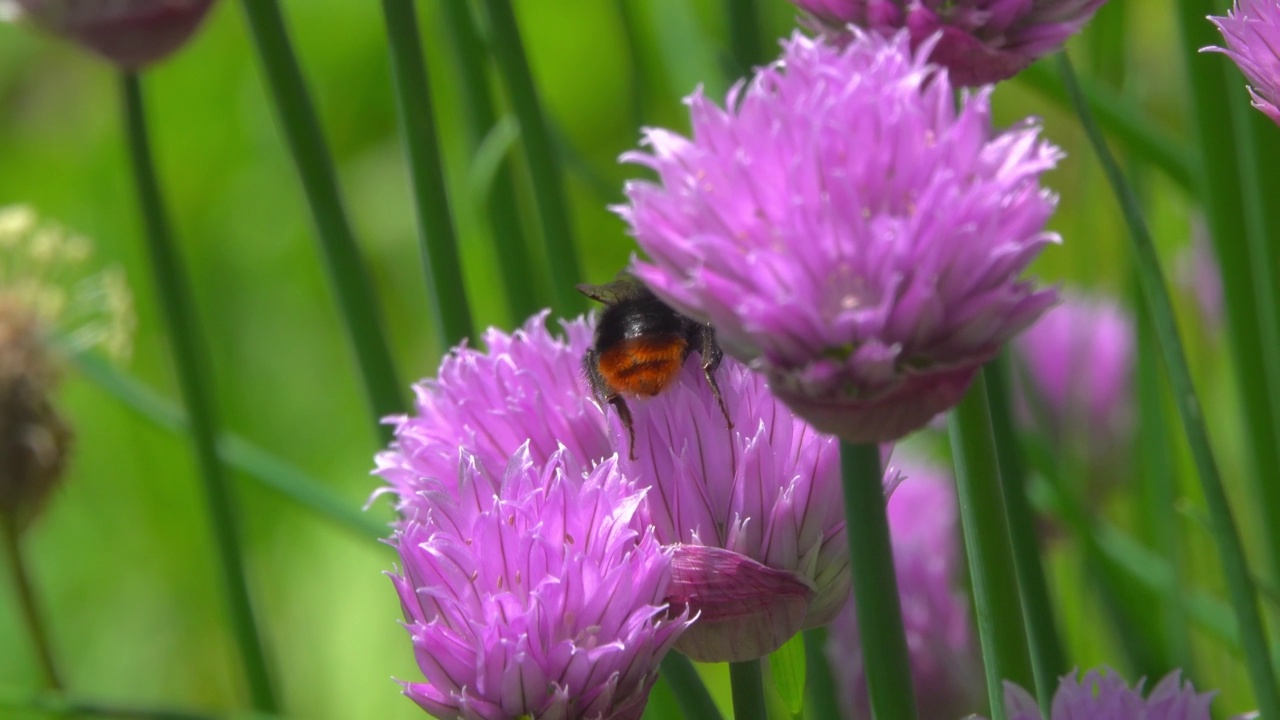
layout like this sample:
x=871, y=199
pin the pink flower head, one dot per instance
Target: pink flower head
x=1102, y=695
x=753, y=515
x=981, y=41
x=130, y=33
x=527, y=387
x=1076, y=365
x=755, y=512
x=849, y=231
x=924, y=531
x=1252, y=32
x=534, y=593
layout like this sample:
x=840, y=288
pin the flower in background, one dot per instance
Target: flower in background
x=1198, y=273
x=945, y=667
x=1076, y=363
x=44, y=294
x=753, y=515
x=1102, y=694
x=981, y=41
x=534, y=592
x=130, y=33
x=849, y=230
x=1252, y=32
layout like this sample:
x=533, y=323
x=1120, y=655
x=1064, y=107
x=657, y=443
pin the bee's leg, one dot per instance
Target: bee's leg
x=711, y=357
x=600, y=389
x=624, y=414
x=606, y=396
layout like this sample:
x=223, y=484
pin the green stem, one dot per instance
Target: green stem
x=501, y=200
x=1124, y=120
x=1128, y=603
x=1139, y=567
x=820, y=690
x=747, y=684
x=540, y=155
x=875, y=584
x=1230, y=197
x=983, y=517
x=1262, y=265
x=435, y=219
x=195, y=382
x=1048, y=661
x=1106, y=46
x=1230, y=549
x=1259, y=174
x=1155, y=574
x=257, y=464
x=685, y=683
x=343, y=263
x=27, y=605
x=636, y=57
x=745, y=36
x=1159, y=481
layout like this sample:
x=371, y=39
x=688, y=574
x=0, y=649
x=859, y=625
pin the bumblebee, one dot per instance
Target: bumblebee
x=641, y=345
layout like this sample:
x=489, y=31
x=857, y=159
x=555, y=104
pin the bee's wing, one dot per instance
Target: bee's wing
x=624, y=287
x=600, y=293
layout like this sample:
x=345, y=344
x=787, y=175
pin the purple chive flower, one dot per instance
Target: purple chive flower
x=755, y=512
x=526, y=387
x=130, y=33
x=849, y=231
x=945, y=667
x=534, y=592
x=1252, y=32
x=981, y=41
x=1076, y=363
x=753, y=515
x=1103, y=695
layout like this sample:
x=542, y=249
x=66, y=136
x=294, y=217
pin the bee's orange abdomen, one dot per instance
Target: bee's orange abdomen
x=643, y=365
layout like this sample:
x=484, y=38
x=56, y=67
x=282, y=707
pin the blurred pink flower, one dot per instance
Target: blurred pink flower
x=982, y=41
x=1076, y=365
x=130, y=33
x=1198, y=272
x=1102, y=694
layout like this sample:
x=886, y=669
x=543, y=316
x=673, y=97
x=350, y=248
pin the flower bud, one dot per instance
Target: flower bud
x=979, y=41
x=34, y=439
x=130, y=33
x=41, y=293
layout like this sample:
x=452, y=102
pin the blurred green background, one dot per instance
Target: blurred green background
x=123, y=559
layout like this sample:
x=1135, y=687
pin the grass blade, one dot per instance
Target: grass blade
x=345, y=266
x=1227, y=538
x=195, y=382
x=447, y=295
